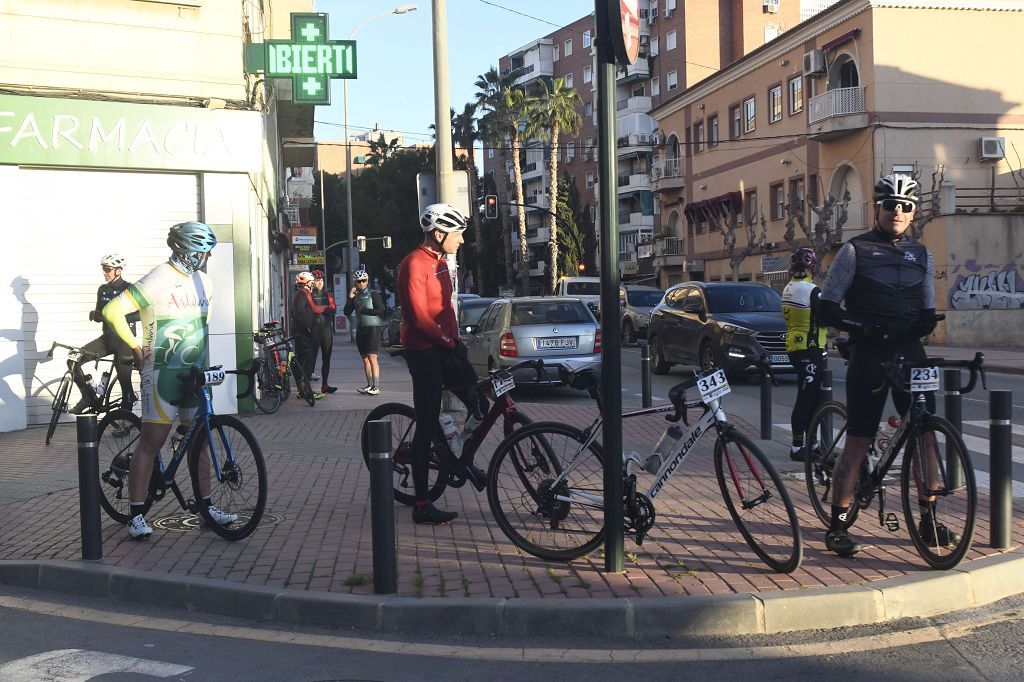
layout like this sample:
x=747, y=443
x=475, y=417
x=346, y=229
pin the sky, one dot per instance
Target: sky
x=395, y=87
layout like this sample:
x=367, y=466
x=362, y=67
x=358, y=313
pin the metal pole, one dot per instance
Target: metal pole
x=382, y=508
x=645, y=375
x=1000, y=444
x=614, y=559
x=88, y=487
x=442, y=105
x=766, y=405
x=954, y=415
x=349, y=266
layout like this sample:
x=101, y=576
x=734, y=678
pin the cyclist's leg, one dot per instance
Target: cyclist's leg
x=459, y=377
x=88, y=399
x=808, y=394
x=425, y=368
x=122, y=359
x=929, y=479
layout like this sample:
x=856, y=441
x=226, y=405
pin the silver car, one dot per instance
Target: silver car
x=555, y=329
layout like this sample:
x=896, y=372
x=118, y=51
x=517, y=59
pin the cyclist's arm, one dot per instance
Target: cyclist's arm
x=115, y=313
x=413, y=282
x=838, y=282
x=350, y=306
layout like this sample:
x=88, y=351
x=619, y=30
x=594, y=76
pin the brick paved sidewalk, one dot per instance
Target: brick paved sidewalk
x=318, y=531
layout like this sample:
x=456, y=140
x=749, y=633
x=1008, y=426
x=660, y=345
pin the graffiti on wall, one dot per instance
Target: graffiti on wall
x=993, y=290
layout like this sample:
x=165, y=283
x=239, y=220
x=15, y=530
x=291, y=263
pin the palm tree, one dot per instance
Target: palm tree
x=515, y=112
x=492, y=130
x=465, y=134
x=381, y=150
x=556, y=113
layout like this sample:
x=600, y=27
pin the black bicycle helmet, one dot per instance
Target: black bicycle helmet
x=803, y=260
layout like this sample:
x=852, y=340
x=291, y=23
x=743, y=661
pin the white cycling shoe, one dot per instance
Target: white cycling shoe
x=138, y=529
x=220, y=517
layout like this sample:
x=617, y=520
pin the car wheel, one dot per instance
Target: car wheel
x=628, y=333
x=658, y=363
x=708, y=357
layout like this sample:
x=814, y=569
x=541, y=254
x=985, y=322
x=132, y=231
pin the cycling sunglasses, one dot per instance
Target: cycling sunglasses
x=107, y=268
x=891, y=204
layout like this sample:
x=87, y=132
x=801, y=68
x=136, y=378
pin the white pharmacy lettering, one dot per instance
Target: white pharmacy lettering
x=179, y=138
x=310, y=59
x=996, y=290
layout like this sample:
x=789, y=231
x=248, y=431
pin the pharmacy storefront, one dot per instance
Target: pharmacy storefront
x=82, y=178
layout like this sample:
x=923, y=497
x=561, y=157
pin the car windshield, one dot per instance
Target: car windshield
x=583, y=289
x=644, y=299
x=471, y=314
x=743, y=300
x=542, y=312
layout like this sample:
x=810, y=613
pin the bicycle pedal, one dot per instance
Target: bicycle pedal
x=892, y=524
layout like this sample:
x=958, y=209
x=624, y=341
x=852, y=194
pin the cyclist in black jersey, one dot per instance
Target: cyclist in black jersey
x=885, y=278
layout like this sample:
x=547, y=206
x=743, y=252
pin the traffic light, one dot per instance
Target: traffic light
x=387, y=242
x=491, y=206
x=582, y=267
x=361, y=243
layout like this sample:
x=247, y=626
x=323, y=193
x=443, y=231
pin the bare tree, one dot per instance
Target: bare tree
x=725, y=217
x=827, y=229
x=925, y=215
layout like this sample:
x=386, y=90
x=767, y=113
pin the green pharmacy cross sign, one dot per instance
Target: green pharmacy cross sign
x=310, y=59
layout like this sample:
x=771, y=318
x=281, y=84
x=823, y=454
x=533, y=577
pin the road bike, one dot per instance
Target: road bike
x=225, y=461
x=546, y=480
x=447, y=468
x=76, y=358
x=918, y=440
x=275, y=364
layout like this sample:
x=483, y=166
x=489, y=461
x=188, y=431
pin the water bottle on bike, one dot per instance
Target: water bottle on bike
x=664, y=446
x=451, y=433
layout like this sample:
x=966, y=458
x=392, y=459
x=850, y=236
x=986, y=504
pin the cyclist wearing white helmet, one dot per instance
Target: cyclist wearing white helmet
x=173, y=300
x=109, y=343
x=430, y=339
x=303, y=319
x=885, y=278
x=369, y=309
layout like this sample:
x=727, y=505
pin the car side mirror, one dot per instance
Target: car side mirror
x=470, y=329
x=692, y=308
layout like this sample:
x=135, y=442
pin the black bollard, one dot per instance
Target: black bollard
x=645, y=375
x=954, y=415
x=382, y=508
x=766, y=404
x=1000, y=448
x=88, y=487
x=826, y=395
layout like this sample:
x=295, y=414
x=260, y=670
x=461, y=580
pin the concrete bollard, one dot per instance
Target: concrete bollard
x=382, y=508
x=954, y=415
x=88, y=487
x=1000, y=444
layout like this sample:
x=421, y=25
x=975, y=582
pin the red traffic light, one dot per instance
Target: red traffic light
x=582, y=267
x=491, y=206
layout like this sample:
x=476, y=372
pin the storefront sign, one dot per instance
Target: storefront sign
x=50, y=131
x=304, y=236
x=309, y=59
x=309, y=257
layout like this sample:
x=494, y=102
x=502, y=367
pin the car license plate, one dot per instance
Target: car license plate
x=713, y=385
x=502, y=383
x=779, y=358
x=557, y=342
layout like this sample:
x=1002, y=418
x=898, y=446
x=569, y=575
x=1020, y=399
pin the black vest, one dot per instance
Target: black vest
x=890, y=278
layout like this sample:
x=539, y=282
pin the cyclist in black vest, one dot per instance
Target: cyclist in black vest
x=885, y=278
x=369, y=309
x=323, y=328
x=108, y=343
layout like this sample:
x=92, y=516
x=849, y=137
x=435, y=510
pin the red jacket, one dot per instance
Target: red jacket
x=424, y=290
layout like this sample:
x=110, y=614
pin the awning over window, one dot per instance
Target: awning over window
x=733, y=198
x=836, y=42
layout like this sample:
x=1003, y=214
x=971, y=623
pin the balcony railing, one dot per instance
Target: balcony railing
x=667, y=168
x=670, y=246
x=837, y=102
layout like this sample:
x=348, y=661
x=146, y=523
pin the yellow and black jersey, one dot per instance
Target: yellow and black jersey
x=800, y=308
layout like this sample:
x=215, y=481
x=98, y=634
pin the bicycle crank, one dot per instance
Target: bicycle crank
x=638, y=516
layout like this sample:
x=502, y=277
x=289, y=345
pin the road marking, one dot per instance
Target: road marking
x=837, y=647
x=1018, y=429
x=79, y=665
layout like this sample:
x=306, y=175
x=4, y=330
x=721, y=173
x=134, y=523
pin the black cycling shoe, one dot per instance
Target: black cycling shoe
x=84, y=406
x=842, y=544
x=478, y=477
x=433, y=516
x=937, y=534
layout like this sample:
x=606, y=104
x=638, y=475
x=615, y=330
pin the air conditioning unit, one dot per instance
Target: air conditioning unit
x=643, y=139
x=669, y=12
x=814, y=63
x=657, y=140
x=992, y=147
x=771, y=6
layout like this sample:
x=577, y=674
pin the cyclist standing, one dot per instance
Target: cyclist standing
x=430, y=339
x=173, y=300
x=805, y=342
x=323, y=328
x=109, y=343
x=303, y=319
x=369, y=309
x=885, y=278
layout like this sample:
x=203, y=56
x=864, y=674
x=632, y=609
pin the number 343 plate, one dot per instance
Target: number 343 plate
x=713, y=385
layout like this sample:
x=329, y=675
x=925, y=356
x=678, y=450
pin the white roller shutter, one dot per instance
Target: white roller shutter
x=71, y=219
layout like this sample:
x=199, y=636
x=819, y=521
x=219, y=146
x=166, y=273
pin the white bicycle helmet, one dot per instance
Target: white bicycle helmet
x=113, y=260
x=897, y=186
x=444, y=217
x=360, y=275
x=304, y=278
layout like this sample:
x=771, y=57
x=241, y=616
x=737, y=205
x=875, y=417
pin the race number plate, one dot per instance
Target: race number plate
x=924, y=379
x=213, y=377
x=713, y=385
x=502, y=383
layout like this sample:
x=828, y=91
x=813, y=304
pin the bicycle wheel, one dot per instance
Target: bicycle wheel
x=60, y=405
x=825, y=440
x=233, y=470
x=403, y=428
x=943, y=539
x=758, y=501
x=119, y=433
x=268, y=391
x=546, y=492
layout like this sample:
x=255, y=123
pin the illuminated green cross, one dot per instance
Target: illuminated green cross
x=309, y=59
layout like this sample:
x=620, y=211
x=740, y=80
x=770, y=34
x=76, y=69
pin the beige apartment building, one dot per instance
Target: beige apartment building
x=118, y=119
x=864, y=88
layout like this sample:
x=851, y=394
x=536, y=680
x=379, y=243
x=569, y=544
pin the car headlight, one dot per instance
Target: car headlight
x=735, y=329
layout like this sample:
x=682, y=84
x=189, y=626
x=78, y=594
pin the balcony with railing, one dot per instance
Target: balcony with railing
x=640, y=69
x=667, y=175
x=635, y=104
x=837, y=112
x=634, y=182
x=628, y=143
x=635, y=221
x=669, y=252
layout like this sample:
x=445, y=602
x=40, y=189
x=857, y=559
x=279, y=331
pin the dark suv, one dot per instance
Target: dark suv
x=714, y=323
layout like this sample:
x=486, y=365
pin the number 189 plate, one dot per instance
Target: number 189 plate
x=713, y=385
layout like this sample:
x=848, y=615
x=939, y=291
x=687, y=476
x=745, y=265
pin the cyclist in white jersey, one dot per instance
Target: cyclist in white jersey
x=173, y=301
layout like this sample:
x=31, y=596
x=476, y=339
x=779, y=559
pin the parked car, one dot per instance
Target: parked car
x=636, y=302
x=470, y=311
x=557, y=329
x=587, y=289
x=714, y=323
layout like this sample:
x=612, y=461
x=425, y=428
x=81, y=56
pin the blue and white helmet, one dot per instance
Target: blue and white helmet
x=360, y=275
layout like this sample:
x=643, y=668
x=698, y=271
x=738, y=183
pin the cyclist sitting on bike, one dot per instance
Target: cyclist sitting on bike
x=886, y=279
x=430, y=339
x=109, y=343
x=174, y=302
x=805, y=342
x=303, y=319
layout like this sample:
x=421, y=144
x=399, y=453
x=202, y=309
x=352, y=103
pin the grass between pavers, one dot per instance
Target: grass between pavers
x=358, y=579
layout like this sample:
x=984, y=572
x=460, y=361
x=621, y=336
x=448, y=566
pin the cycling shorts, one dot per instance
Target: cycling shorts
x=159, y=389
x=865, y=374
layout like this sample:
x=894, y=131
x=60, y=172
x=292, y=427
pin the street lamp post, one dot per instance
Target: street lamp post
x=350, y=264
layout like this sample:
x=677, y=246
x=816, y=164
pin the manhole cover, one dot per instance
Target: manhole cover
x=185, y=521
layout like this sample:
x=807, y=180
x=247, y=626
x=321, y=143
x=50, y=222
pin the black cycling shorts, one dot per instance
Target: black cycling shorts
x=367, y=340
x=865, y=374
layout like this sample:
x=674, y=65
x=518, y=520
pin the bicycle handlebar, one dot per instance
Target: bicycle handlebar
x=86, y=355
x=195, y=379
x=677, y=394
x=976, y=366
x=538, y=365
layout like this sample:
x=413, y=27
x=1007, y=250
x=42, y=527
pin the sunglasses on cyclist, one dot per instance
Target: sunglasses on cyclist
x=891, y=204
x=107, y=268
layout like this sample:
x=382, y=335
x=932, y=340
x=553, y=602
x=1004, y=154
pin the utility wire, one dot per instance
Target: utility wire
x=522, y=14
